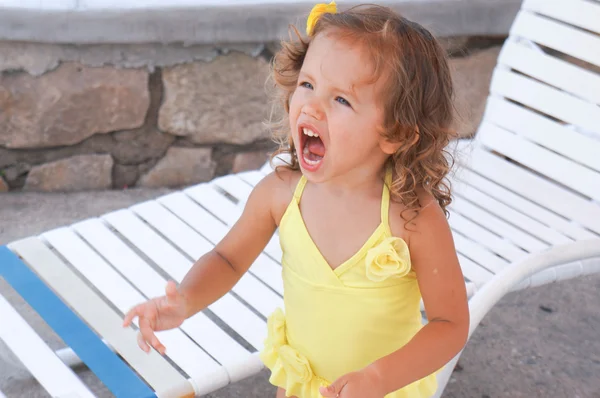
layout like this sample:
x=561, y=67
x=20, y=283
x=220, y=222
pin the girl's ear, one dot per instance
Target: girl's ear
x=390, y=147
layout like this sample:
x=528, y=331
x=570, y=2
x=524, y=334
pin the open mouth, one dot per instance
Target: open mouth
x=313, y=149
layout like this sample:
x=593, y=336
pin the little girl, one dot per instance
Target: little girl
x=361, y=212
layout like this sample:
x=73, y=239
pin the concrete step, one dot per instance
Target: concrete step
x=220, y=21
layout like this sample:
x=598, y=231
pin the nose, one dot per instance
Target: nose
x=313, y=109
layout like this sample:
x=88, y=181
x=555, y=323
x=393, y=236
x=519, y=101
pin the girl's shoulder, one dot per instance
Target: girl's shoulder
x=279, y=186
x=426, y=232
x=409, y=224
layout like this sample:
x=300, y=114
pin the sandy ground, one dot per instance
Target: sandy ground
x=543, y=342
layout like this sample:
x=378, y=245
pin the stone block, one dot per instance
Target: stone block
x=138, y=146
x=180, y=167
x=223, y=101
x=245, y=161
x=3, y=185
x=70, y=104
x=472, y=76
x=125, y=175
x=77, y=173
x=15, y=171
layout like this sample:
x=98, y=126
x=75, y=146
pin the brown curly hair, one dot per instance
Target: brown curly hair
x=418, y=100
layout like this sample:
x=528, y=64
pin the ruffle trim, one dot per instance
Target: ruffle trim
x=289, y=369
x=292, y=371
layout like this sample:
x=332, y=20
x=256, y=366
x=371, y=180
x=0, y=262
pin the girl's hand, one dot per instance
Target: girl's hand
x=361, y=384
x=160, y=313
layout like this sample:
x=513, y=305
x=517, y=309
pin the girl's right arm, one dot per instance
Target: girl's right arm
x=216, y=272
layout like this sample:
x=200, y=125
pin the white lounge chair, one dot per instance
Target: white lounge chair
x=526, y=213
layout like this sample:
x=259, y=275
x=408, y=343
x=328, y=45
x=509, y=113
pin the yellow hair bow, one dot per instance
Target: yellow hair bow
x=316, y=13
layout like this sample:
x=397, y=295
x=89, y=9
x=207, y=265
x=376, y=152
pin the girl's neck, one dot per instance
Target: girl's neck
x=360, y=179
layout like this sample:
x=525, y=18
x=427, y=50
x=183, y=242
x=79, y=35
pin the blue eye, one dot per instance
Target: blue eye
x=343, y=101
x=306, y=85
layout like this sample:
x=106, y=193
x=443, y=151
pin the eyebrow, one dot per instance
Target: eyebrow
x=350, y=93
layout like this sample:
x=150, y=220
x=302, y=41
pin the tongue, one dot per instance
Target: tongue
x=315, y=146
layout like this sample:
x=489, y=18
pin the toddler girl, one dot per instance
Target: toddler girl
x=361, y=212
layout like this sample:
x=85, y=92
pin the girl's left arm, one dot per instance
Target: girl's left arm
x=442, y=286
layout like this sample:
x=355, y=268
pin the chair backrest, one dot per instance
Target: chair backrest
x=543, y=115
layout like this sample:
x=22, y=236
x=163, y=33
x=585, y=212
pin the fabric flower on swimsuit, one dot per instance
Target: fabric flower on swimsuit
x=288, y=367
x=389, y=259
x=296, y=366
x=316, y=13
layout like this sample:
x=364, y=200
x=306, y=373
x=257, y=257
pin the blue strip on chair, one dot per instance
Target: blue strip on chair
x=110, y=369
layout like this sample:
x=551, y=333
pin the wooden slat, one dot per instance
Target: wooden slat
x=207, y=225
x=546, y=99
x=504, y=212
x=538, y=190
x=199, y=327
x=496, y=225
x=152, y=367
x=528, y=206
x=474, y=272
x=234, y=186
x=216, y=203
x=553, y=71
x=39, y=359
x=582, y=13
x=224, y=210
x=266, y=169
x=196, y=216
x=273, y=248
x=185, y=237
x=478, y=234
x=545, y=162
x=543, y=131
x=484, y=257
x=184, y=352
x=84, y=343
x=241, y=320
x=252, y=178
x=176, y=265
x=174, y=229
x=188, y=240
x=558, y=36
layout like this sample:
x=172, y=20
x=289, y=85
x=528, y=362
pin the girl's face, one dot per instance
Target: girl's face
x=336, y=112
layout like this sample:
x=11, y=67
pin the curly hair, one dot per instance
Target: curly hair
x=418, y=107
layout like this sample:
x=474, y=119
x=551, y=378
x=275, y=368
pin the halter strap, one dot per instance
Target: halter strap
x=300, y=188
x=385, y=197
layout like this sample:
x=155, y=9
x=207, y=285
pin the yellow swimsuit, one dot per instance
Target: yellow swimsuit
x=340, y=320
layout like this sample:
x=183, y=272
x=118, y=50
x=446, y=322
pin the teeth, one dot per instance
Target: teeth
x=309, y=132
x=306, y=152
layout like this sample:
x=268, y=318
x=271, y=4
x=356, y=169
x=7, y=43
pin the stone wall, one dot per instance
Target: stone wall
x=81, y=127
x=86, y=118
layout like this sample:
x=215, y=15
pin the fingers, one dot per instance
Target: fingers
x=329, y=391
x=334, y=389
x=135, y=311
x=172, y=292
x=142, y=343
x=147, y=338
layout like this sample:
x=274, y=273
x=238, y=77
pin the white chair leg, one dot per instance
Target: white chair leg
x=493, y=291
x=443, y=378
